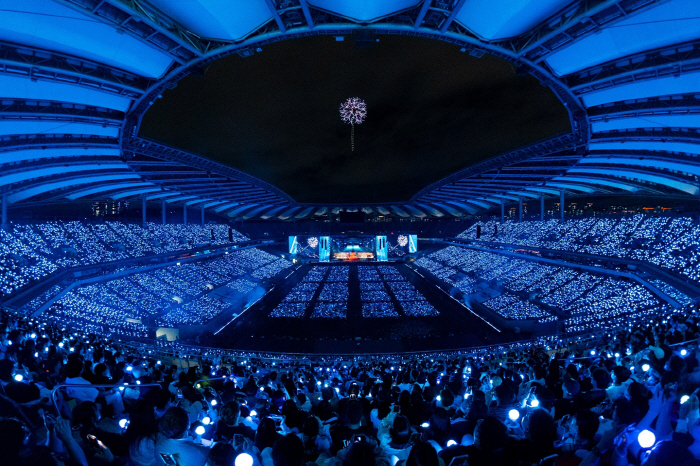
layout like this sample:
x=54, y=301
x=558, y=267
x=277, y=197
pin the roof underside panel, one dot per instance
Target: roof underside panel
x=669, y=146
x=668, y=23
x=44, y=188
x=500, y=19
x=49, y=25
x=643, y=176
x=104, y=188
x=23, y=88
x=598, y=181
x=229, y=20
x=684, y=84
x=363, y=10
x=55, y=127
x=573, y=187
x=138, y=192
x=679, y=166
x=648, y=121
x=37, y=154
x=41, y=172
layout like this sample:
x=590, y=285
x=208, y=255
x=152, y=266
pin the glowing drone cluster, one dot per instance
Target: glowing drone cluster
x=353, y=111
x=402, y=240
x=313, y=242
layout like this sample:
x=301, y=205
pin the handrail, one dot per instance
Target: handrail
x=79, y=385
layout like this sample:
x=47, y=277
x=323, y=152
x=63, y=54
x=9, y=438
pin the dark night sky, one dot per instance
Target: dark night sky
x=431, y=110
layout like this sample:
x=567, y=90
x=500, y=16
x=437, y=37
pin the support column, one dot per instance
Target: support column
x=202, y=215
x=143, y=208
x=542, y=207
x=163, y=210
x=184, y=214
x=503, y=209
x=520, y=210
x=561, y=204
x=4, y=211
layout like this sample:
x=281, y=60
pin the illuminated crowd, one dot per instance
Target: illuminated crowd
x=177, y=294
x=525, y=289
x=668, y=242
x=377, y=286
x=29, y=252
x=618, y=397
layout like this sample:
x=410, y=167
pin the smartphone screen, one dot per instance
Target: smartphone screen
x=168, y=459
x=92, y=441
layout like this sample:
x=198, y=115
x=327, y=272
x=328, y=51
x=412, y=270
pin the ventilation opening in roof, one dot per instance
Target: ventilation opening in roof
x=431, y=110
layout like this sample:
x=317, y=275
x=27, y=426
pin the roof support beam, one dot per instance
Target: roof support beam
x=307, y=13
x=162, y=152
x=662, y=179
x=691, y=168
x=15, y=142
x=649, y=134
x=27, y=108
x=151, y=27
x=46, y=65
x=276, y=16
x=650, y=106
x=453, y=15
x=421, y=14
x=669, y=61
x=549, y=146
x=600, y=181
x=62, y=183
x=574, y=23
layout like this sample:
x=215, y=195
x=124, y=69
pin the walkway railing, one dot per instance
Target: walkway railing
x=85, y=386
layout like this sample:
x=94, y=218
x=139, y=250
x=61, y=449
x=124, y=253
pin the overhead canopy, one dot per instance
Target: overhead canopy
x=77, y=75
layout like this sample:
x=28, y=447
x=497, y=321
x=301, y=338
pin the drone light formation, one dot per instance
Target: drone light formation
x=353, y=111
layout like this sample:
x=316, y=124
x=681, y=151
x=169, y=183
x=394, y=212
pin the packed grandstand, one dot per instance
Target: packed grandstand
x=201, y=264
x=623, y=359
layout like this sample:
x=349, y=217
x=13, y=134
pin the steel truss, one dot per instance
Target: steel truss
x=670, y=61
x=45, y=141
x=38, y=64
x=554, y=145
x=691, y=135
x=152, y=149
x=677, y=104
x=572, y=24
x=27, y=108
x=148, y=25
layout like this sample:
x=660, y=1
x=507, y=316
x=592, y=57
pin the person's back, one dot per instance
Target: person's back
x=172, y=439
x=490, y=437
x=343, y=434
x=230, y=425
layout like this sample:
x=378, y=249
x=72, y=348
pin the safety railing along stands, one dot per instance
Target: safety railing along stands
x=86, y=386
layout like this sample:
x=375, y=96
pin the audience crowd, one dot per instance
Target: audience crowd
x=668, y=242
x=33, y=251
x=619, y=398
x=335, y=288
x=521, y=289
x=178, y=292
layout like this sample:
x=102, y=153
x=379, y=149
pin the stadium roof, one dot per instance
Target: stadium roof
x=77, y=76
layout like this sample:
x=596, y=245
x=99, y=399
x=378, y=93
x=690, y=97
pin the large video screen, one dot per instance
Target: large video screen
x=352, y=247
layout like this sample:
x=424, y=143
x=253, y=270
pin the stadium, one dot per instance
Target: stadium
x=283, y=232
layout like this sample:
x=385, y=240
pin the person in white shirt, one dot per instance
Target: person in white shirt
x=74, y=369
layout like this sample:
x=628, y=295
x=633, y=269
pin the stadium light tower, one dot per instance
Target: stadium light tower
x=353, y=111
